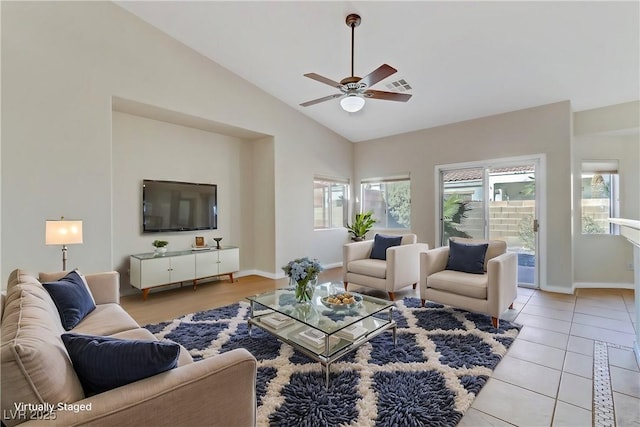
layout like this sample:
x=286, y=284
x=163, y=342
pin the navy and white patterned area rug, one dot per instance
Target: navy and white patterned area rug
x=443, y=357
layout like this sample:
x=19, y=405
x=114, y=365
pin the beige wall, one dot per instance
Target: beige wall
x=150, y=149
x=63, y=62
x=544, y=130
x=609, y=133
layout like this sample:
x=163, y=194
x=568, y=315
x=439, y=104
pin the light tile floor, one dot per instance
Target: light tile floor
x=547, y=376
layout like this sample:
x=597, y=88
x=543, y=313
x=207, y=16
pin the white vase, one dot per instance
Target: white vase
x=161, y=250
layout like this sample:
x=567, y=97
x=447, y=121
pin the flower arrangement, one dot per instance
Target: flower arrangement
x=303, y=271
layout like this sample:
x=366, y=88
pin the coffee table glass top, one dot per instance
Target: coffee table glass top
x=328, y=319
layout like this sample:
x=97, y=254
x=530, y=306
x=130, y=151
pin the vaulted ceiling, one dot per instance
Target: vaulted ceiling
x=462, y=60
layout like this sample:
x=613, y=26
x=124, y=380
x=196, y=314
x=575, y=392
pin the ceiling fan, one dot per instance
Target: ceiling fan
x=354, y=90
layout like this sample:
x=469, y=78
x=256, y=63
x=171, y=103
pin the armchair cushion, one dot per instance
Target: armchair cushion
x=104, y=363
x=467, y=258
x=381, y=243
x=456, y=282
x=72, y=298
x=369, y=267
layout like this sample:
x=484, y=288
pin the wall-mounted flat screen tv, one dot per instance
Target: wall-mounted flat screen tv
x=178, y=206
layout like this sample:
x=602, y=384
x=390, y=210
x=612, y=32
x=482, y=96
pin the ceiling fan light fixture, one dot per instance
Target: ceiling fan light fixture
x=352, y=103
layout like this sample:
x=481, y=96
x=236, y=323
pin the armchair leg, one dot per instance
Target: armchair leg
x=422, y=303
x=495, y=321
x=511, y=306
x=345, y=285
x=414, y=285
x=392, y=297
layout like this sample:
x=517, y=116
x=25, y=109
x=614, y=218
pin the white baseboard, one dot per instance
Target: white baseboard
x=266, y=274
x=332, y=265
x=557, y=289
x=608, y=285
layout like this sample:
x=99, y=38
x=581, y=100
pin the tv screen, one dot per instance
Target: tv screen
x=178, y=206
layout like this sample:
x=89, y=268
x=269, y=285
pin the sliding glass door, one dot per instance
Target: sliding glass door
x=493, y=202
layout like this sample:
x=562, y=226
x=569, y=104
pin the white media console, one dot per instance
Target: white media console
x=150, y=270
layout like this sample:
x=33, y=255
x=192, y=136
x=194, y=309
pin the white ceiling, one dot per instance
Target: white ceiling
x=463, y=59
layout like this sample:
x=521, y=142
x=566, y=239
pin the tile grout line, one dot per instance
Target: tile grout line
x=603, y=410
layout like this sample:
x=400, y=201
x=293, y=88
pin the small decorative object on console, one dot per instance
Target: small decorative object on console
x=217, y=240
x=161, y=246
x=304, y=273
x=199, y=241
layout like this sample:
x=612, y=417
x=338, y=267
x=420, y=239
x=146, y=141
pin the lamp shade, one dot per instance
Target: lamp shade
x=62, y=232
x=352, y=103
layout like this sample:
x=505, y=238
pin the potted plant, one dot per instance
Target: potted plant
x=160, y=245
x=361, y=225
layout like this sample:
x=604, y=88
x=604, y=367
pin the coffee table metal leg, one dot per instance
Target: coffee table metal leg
x=250, y=317
x=326, y=376
x=394, y=326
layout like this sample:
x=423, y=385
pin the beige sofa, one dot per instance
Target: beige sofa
x=490, y=293
x=399, y=270
x=36, y=369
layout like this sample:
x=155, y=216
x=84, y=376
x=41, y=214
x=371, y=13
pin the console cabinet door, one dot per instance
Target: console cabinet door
x=183, y=268
x=155, y=272
x=229, y=260
x=206, y=264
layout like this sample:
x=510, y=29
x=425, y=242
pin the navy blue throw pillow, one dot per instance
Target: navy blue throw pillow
x=381, y=243
x=104, y=363
x=72, y=299
x=467, y=258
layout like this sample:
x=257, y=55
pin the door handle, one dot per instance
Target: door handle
x=536, y=225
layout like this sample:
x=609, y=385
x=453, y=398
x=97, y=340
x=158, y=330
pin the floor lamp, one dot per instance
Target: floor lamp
x=63, y=232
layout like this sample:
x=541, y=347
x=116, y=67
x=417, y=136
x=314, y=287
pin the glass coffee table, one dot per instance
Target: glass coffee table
x=320, y=329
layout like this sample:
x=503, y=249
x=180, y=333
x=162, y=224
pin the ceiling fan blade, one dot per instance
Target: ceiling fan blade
x=380, y=73
x=321, y=79
x=387, y=96
x=319, y=100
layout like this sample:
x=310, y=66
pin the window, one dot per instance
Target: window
x=390, y=201
x=599, y=182
x=330, y=202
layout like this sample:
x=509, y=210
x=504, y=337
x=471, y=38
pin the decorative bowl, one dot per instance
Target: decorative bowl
x=329, y=301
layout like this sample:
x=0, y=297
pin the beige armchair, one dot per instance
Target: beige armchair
x=489, y=293
x=399, y=270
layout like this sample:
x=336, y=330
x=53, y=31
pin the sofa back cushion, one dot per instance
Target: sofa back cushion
x=35, y=365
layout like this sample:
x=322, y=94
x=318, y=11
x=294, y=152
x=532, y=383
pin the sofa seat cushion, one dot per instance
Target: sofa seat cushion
x=455, y=282
x=34, y=363
x=144, y=334
x=106, y=319
x=368, y=267
x=105, y=363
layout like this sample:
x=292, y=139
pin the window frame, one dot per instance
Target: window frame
x=608, y=168
x=385, y=225
x=328, y=203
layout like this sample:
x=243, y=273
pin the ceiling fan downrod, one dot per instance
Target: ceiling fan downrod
x=353, y=20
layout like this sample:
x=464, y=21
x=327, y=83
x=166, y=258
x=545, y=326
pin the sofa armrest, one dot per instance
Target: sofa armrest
x=403, y=265
x=105, y=287
x=353, y=251
x=218, y=391
x=431, y=262
x=502, y=286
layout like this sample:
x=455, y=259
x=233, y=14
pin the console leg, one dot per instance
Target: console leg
x=145, y=292
x=231, y=277
x=392, y=297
